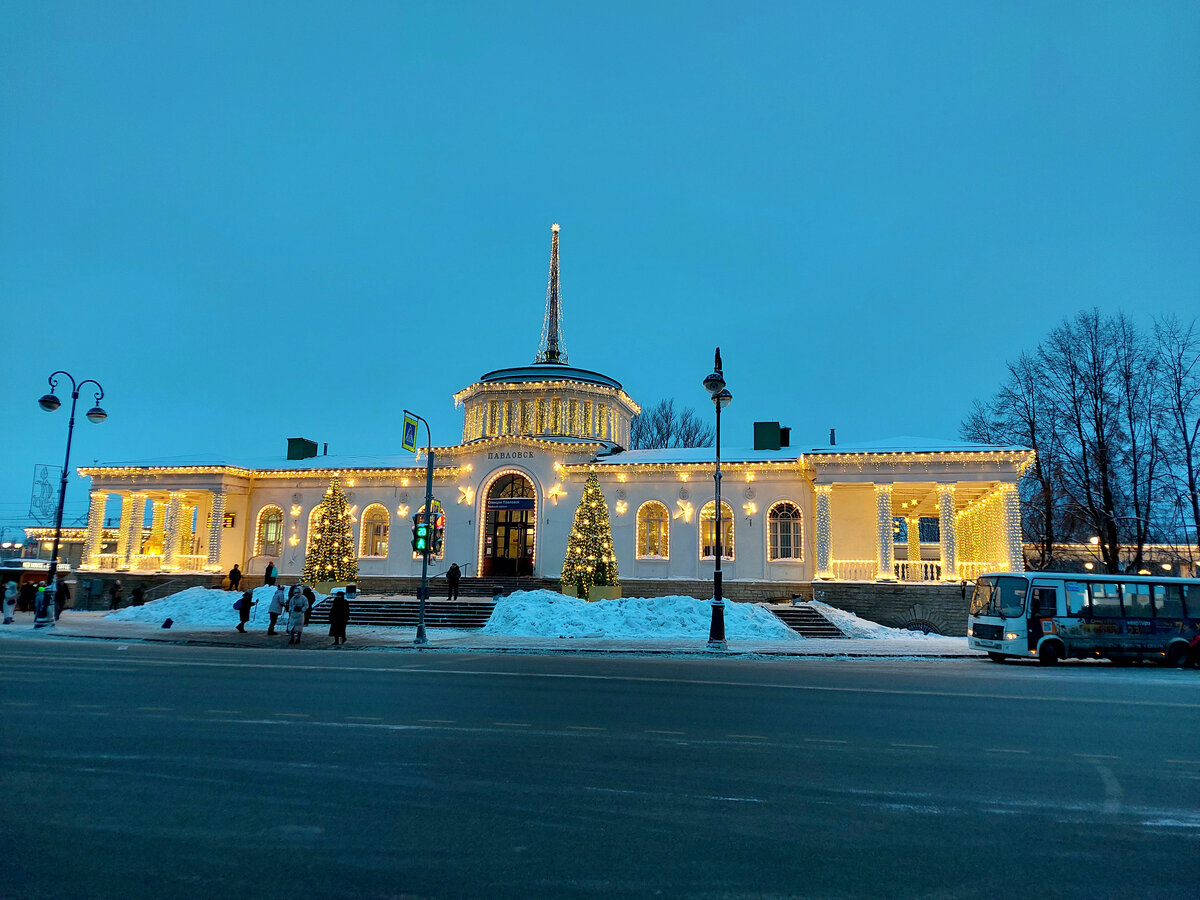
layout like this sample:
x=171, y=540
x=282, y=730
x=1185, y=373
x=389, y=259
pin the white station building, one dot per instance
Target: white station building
x=902, y=510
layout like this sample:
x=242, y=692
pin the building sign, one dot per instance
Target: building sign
x=514, y=454
x=510, y=503
x=230, y=519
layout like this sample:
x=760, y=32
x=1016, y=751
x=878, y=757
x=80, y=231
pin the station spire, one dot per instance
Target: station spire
x=552, y=349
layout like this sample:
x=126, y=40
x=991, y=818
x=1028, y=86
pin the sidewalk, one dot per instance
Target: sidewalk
x=94, y=626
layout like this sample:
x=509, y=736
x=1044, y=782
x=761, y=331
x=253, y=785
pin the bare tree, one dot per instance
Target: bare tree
x=661, y=427
x=1179, y=370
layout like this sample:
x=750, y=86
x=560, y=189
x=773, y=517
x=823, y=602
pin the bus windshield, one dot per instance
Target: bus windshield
x=1004, y=597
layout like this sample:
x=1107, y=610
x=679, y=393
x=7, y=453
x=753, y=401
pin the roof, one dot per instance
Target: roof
x=548, y=372
x=909, y=444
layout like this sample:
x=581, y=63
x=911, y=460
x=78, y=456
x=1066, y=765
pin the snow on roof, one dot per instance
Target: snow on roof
x=910, y=444
x=696, y=455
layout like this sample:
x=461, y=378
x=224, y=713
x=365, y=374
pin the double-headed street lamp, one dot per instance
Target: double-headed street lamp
x=715, y=385
x=44, y=614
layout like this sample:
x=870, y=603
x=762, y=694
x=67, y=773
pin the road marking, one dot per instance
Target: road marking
x=513, y=724
x=1112, y=789
x=224, y=712
x=586, y=728
x=654, y=731
x=17, y=703
x=364, y=719
x=1096, y=756
x=749, y=737
x=291, y=715
x=87, y=706
x=438, y=721
x=1002, y=750
x=1183, y=762
x=917, y=746
x=823, y=741
x=153, y=708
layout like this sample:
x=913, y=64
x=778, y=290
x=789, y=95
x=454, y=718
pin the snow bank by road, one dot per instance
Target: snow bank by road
x=548, y=614
x=196, y=606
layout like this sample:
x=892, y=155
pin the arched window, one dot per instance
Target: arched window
x=268, y=540
x=314, y=526
x=653, y=531
x=708, y=530
x=785, y=532
x=373, y=531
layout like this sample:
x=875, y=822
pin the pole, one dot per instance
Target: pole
x=716, y=628
x=421, y=639
x=44, y=614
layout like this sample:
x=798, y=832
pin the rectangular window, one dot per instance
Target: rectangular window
x=1167, y=604
x=1137, y=600
x=1191, y=605
x=1106, y=600
x=1077, y=598
x=1043, y=602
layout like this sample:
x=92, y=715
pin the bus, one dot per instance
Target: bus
x=1052, y=616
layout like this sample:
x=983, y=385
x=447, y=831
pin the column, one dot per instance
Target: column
x=947, y=536
x=215, y=530
x=883, y=533
x=129, y=541
x=914, y=548
x=158, y=515
x=824, y=530
x=171, y=530
x=1010, y=527
x=95, y=530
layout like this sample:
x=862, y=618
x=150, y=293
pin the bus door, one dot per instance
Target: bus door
x=1043, y=606
x=1139, y=621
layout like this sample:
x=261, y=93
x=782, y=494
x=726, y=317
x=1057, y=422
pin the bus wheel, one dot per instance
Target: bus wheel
x=1176, y=655
x=1049, y=654
x=996, y=657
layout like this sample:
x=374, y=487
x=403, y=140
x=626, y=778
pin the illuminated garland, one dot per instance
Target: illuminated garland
x=823, y=530
x=95, y=530
x=590, y=558
x=947, y=528
x=884, y=550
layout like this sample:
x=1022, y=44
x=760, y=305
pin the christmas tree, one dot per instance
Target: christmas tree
x=590, y=556
x=331, y=555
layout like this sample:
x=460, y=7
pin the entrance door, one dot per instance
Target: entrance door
x=509, y=526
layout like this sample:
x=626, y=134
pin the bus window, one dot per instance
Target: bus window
x=1077, y=598
x=1043, y=602
x=1166, y=601
x=1106, y=600
x=1137, y=600
x=1191, y=606
x=1003, y=597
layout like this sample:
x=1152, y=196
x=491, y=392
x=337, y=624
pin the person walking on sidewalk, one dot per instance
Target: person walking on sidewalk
x=452, y=575
x=10, y=602
x=235, y=577
x=275, y=608
x=297, y=604
x=243, y=608
x=339, y=615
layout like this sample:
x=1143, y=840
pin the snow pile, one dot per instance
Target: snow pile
x=548, y=614
x=854, y=627
x=196, y=606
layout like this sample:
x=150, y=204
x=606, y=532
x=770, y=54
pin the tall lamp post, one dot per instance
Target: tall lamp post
x=715, y=385
x=44, y=614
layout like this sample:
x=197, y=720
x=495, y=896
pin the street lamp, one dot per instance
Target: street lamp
x=44, y=614
x=715, y=385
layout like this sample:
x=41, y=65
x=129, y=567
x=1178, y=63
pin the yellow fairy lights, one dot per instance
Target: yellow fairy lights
x=622, y=507
x=556, y=492
x=402, y=510
x=750, y=507
x=466, y=495
x=685, y=510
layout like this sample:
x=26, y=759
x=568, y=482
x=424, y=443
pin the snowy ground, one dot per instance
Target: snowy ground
x=196, y=606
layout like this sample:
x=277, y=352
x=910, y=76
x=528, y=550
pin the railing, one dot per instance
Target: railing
x=854, y=569
x=919, y=570
x=970, y=571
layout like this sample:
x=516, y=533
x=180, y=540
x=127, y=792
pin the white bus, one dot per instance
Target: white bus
x=1051, y=616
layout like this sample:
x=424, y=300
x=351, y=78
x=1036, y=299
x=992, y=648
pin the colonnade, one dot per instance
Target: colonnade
x=184, y=534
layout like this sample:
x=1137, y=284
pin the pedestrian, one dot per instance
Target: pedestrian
x=339, y=615
x=269, y=576
x=275, y=609
x=10, y=602
x=452, y=575
x=114, y=595
x=243, y=607
x=27, y=596
x=1192, y=659
x=309, y=596
x=138, y=595
x=61, y=595
x=297, y=604
x=235, y=577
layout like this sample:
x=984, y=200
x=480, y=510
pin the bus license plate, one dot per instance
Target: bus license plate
x=992, y=645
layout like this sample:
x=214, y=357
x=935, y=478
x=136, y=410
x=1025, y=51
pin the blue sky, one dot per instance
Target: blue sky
x=254, y=221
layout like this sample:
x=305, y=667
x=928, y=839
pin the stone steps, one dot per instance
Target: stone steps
x=806, y=621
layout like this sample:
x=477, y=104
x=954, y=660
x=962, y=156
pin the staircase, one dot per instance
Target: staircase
x=806, y=621
x=404, y=612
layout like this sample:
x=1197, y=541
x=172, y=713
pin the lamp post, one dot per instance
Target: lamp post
x=715, y=385
x=44, y=614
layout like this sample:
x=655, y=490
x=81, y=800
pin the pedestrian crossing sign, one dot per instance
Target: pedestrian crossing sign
x=409, y=440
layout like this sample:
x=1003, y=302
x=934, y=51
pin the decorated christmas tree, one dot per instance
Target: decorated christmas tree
x=590, y=558
x=331, y=555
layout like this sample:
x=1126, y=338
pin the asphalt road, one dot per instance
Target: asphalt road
x=172, y=771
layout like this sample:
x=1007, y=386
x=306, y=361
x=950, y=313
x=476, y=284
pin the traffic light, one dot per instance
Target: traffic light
x=439, y=533
x=420, y=540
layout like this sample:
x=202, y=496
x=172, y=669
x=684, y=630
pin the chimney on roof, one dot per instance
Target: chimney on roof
x=785, y=436
x=326, y=452
x=301, y=448
x=832, y=437
x=770, y=436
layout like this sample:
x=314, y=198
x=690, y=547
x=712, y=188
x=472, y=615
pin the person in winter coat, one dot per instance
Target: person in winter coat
x=452, y=575
x=275, y=609
x=244, y=605
x=310, y=597
x=27, y=596
x=235, y=577
x=339, y=615
x=269, y=575
x=297, y=604
x=114, y=595
x=10, y=602
x=61, y=595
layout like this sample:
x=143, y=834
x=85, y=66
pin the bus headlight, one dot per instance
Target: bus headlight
x=970, y=632
x=1011, y=635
